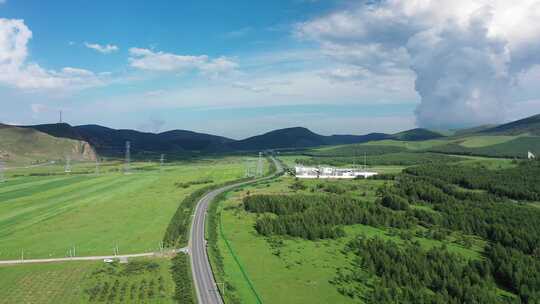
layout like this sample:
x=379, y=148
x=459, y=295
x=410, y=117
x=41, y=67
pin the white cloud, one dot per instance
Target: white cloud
x=149, y=60
x=466, y=54
x=16, y=71
x=103, y=49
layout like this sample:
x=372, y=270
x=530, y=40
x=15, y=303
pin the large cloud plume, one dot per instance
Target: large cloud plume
x=467, y=54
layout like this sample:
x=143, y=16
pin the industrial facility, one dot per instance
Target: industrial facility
x=331, y=172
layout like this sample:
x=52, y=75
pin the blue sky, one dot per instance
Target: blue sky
x=238, y=68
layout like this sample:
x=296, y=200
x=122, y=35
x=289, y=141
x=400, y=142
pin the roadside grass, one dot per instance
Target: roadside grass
x=75, y=282
x=292, y=270
x=48, y=215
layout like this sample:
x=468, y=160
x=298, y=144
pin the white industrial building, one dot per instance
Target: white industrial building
x=331, y=172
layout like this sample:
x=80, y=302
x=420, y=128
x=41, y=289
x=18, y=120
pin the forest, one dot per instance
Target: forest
x=513, y=250
x=431, y=200
x=319, y=216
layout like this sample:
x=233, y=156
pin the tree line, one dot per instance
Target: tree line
x=319, y=216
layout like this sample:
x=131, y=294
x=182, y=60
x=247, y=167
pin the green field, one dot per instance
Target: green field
x=75, y=282
x=47, y=215
x=293, y=270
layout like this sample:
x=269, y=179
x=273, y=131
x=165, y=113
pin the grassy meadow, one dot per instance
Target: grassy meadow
x=45, y=212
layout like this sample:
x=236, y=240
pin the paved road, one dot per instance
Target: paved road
x=205, y=285
x=89, y=258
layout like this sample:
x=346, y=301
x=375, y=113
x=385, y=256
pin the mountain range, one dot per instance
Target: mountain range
x=111, y=142
x=87, y=140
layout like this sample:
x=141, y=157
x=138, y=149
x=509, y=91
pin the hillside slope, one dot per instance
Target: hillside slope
x=24, y=146
x=530, y=125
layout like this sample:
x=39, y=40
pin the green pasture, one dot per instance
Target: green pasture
x=48, y=215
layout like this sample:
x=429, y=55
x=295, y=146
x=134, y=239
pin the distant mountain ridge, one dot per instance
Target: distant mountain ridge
x=111, y=142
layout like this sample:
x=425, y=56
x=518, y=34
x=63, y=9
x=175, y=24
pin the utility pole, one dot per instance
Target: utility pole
x=128, y=158
x=60, y=121
x=161, y=161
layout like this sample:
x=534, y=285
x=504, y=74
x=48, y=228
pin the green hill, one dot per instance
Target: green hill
x=23, y=146
x=416, y=134
x=530, y=125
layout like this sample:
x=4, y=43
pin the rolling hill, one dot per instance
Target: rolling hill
x=23, y=146
x=484, y=140
x=416, y=135
x=111, y=142
x=299, y=137
x=529, y=125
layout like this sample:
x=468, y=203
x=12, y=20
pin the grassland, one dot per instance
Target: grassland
x=292, y=270
x=45, y=212
x=140, y=281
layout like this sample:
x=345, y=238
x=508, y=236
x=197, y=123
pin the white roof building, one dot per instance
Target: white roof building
x=331, y=172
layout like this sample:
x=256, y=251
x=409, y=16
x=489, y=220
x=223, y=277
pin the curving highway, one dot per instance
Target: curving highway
x=205, y=285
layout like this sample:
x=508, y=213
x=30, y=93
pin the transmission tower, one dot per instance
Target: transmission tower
x=128, y=158
x=260, y=165
x=161, y=161
x=67, y=168
x=2, y=177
